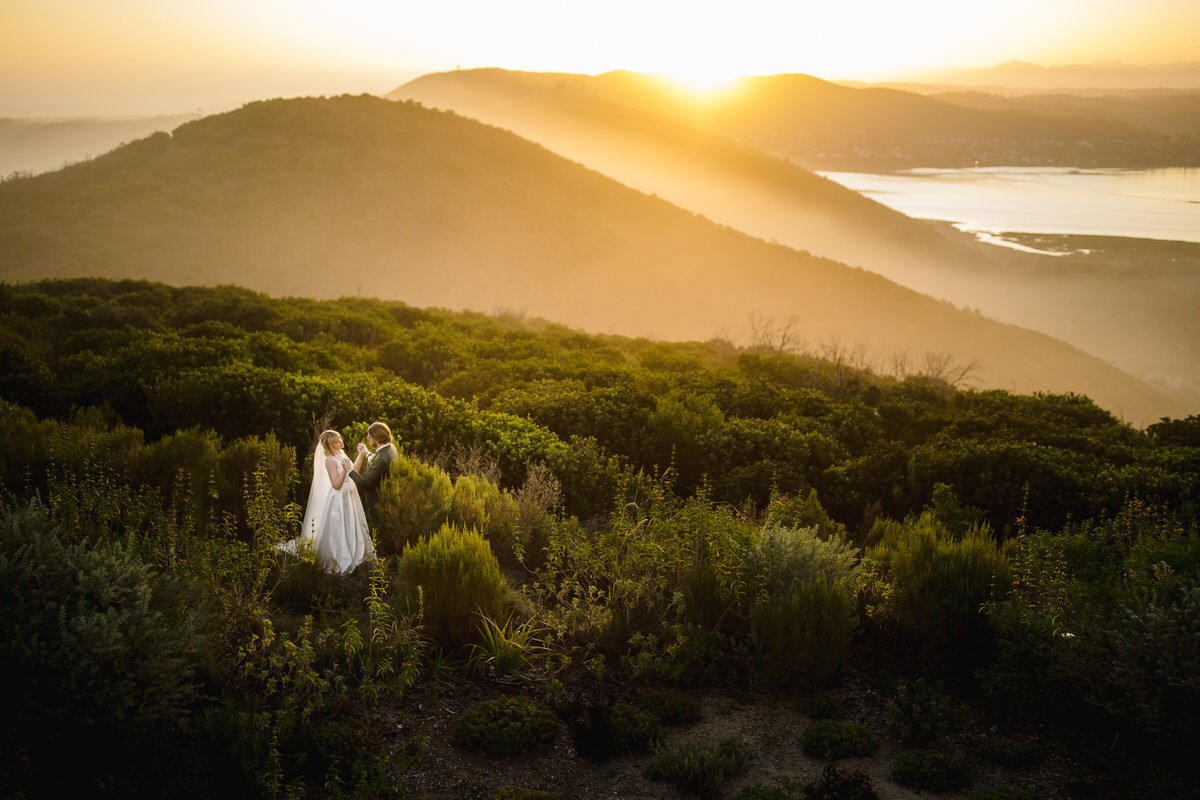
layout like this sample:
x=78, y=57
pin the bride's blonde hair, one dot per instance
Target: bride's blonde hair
x=325, y=438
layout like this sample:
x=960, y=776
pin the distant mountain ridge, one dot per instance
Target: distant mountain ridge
x=720, y=157
x=1101, y=75
x=37, y=145
x=357, y=195
x=704, y=172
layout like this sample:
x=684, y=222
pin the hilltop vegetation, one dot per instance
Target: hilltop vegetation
x=741, y=420
x=357, y=195
x=626, y=514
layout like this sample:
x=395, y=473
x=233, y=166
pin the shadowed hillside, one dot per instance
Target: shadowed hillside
x=1126, y=301
x=359, y=195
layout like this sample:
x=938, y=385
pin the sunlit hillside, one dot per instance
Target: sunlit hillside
x=361, y=196
x=1131, y=303
x=820, y=123
x=714, y=175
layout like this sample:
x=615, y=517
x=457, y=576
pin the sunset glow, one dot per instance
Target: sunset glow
x=125, y=56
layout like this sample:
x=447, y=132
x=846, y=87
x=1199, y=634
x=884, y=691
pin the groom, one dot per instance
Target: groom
x=379, y=464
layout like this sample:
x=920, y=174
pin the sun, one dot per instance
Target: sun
x=702, y=82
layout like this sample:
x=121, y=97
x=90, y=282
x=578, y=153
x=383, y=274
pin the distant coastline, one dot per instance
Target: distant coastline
x=993, y=203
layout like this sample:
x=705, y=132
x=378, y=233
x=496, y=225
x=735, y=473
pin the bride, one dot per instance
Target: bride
x=334, y=522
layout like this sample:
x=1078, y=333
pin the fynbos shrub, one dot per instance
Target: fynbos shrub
x=633, y=729
x=108, y=649
x=505, y=726
x=413, y=502
x=459, y=579
x=672, y=707
x=935, y=585
x=801, y=617
x=698, y=768
x=921, y=712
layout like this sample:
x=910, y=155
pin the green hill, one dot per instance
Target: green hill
x=357, y=195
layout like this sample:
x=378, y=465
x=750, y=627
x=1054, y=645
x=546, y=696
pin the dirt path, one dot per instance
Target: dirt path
x=769, y=727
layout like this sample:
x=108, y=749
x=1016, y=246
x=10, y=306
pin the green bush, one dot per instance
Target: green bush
x=671, y=706
x=505, y=726
x=699, y=769
x=601, y=729
x=805, y=512
x=930, y=770
x=108, y=650
x=478, y=503
x=1012, y=752
x=833, y=739
x=538, y=500
x=627, y=580
x=933, y=585
x=921, y=712
x=304, y=587
x=838, y=785
x=801, y=618
x=418, y=498
x=346, y=750
x=458, y=579
x=413, y=502
x=1106, y=615
x=633, y=729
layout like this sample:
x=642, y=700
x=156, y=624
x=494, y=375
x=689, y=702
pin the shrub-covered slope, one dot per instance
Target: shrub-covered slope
x=818, y=526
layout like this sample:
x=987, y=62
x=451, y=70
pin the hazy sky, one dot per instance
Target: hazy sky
x=61, y=57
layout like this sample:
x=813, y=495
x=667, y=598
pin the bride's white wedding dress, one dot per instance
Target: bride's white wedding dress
x=335, y=525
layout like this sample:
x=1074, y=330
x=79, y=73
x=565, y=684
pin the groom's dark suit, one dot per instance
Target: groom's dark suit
x=378, y=468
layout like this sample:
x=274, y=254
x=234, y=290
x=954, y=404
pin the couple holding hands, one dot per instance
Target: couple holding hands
x=342, y=499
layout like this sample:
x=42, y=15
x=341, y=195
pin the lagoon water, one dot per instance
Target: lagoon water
x=989, y=201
